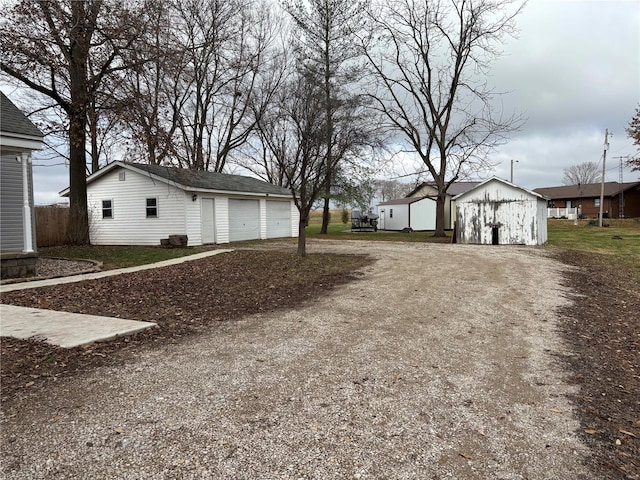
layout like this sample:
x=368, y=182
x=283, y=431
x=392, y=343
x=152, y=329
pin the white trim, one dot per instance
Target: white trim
x=25, y=159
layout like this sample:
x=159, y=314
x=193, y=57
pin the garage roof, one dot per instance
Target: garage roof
x=196, y=179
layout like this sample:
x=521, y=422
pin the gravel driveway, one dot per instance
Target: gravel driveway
x=438, y=363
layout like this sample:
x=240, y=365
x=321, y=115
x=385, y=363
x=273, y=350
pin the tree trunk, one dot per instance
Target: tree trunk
x=326, y=214
x=302, y=237
x=78, y=224
x=440, y=204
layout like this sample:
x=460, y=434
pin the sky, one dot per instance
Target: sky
x=573, y=71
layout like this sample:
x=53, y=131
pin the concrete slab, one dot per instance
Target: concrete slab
x=65, y=329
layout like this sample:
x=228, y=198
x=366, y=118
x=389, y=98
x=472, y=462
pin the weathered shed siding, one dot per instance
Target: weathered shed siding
x=518, y=215
x=130, y=225
x=11, y=203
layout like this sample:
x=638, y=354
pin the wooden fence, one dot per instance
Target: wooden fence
x=51, y=222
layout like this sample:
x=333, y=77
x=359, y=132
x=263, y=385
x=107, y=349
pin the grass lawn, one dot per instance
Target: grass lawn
x=619, y=244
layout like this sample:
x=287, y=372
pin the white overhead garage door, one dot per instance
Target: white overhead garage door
x=278, y=219
x=244, y=220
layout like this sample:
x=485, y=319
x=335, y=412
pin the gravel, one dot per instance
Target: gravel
x=438, y=363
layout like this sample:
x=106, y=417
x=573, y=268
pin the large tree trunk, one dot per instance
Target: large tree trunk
x=302, y=237
x=78, y=224
x=440, y=204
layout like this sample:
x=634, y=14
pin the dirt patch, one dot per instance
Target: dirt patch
x=602, y=326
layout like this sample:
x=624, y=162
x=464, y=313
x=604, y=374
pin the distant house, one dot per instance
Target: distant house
x=414, y=213
x=18, y=138
x=141, y=204
x=571, y=201
x=497, y=212
x=429, y=189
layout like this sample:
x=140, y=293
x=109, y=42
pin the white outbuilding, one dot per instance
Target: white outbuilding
x=497, y=212
x=418, y=214
x=141, y=204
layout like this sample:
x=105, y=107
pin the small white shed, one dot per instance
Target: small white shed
x=497, y=212
x=140, y=204
x=416, y=213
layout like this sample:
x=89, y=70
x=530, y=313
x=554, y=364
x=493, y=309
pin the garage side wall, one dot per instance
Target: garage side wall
x=396, y=217
x=423, y=215
x=129, y=223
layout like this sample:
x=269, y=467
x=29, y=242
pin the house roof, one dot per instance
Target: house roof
x=587, y=190
x=12, y=120
x=404, y=201
x=500, y=180
x=195, y=180
x=456, y=188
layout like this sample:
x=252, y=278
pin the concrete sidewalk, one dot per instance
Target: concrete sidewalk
x=70, y=330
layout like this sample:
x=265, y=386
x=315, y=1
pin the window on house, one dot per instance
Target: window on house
x=551, y=204
x=107, y=208
x=152, y=207
x=596, y=202
x=391, y=213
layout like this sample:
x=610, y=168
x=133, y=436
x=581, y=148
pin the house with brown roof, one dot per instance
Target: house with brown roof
x=621, y=200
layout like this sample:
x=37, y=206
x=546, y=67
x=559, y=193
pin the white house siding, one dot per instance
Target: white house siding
x=222, y=219
x=129, y=225
x=515, y=212
x=192, y=218
x=295, y=219
x=263, y=219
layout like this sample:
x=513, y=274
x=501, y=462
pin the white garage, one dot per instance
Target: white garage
x=139, y=204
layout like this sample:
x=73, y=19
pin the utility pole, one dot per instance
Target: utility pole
x=604, y=160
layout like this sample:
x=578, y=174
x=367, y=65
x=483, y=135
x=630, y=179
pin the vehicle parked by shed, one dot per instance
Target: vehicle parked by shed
x=497, y=212
x=417, y=214
x=141, y=204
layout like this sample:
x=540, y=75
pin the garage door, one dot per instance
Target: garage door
x=278, y=219
x=244, y=220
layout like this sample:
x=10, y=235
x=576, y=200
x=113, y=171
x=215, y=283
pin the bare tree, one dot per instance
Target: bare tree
x=48, y=46
x=633, y=130
x=293, y=133
x=582, y=173
x=428, y=59
x=324, y=43
x=392, y=189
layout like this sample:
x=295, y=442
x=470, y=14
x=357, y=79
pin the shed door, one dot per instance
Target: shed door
x=208, y=221
x=278, y=219
x=244, y=220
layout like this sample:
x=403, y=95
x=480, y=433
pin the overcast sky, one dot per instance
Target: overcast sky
x=573, y=71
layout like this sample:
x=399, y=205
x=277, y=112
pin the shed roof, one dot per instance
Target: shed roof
x=196, y=179
x=12, y=120
x=500, y=180
x=456, y=188
x=404, y=201
x=587, y=190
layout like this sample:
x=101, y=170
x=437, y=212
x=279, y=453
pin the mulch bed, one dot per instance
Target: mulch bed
x=183, y=300
x=602, y=327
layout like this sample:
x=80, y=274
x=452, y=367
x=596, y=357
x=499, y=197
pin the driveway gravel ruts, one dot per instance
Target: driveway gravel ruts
x=438, y=363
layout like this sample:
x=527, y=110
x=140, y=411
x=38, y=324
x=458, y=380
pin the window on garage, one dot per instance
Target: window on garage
x=152, y=208
x=107, y=208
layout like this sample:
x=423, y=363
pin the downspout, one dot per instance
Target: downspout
x=25, y=159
